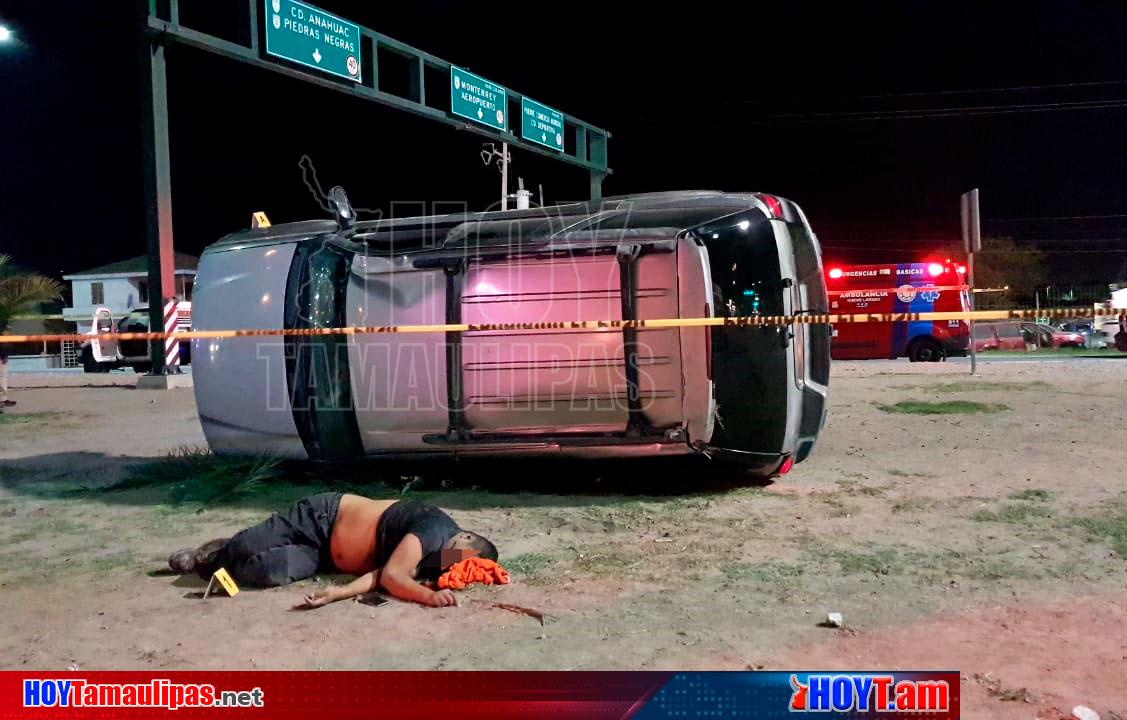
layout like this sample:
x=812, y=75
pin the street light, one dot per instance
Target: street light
x=5, y=34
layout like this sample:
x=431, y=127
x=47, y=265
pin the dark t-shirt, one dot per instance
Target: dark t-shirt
x=426, y=522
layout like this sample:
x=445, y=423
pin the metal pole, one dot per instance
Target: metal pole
x=252, y=9
x=972, y=242
x=504, y=176
x=156, y=180
x=597, y=152
x=970, y=301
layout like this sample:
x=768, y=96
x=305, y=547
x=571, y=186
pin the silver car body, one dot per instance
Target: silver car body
x=751, y=395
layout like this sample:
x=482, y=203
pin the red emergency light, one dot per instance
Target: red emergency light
x=836, y=273
x=934, y=269
x=961, y=269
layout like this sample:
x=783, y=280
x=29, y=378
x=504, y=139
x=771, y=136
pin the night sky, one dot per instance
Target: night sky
x=873, y=117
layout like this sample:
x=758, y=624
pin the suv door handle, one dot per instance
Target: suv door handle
x=786, y=334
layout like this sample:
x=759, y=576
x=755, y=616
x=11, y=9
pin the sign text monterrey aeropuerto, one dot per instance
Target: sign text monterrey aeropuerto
x=475, y=98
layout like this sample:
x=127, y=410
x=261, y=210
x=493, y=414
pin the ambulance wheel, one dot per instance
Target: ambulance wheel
x=89, y=364
x=925, y=351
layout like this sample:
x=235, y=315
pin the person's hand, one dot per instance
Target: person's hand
x=442, y=598
x=318, y=598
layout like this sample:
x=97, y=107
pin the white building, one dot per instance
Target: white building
x=121, y=286
x=1119, y=299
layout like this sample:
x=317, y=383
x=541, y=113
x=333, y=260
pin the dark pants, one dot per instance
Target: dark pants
x=284, y=548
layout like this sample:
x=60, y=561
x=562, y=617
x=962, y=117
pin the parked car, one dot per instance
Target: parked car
x=1050, y=337
x=101, y=356
x=751, y=397
x=984, y=337
x=1094, y=338
x=1002, y=336
x=1104, y=333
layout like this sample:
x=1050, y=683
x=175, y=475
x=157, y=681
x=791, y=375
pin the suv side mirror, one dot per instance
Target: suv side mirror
x=342, y=208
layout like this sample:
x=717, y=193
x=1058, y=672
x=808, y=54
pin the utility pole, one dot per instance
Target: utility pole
x=156, y=181
x=489, y=154
x=972, y=242
x=504, y=176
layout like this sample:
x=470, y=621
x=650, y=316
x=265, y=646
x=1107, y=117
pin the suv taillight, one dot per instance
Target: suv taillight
x=787, y=465
x=773, y=205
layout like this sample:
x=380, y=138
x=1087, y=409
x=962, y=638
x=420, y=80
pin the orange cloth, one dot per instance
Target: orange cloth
x=473, y=570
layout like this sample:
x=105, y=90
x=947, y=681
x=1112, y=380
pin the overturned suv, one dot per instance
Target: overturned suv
x=753, y=396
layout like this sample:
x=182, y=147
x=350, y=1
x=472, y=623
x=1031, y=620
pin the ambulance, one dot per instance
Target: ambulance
x=933, y=286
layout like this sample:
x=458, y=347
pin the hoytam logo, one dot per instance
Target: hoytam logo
x=866, y=693
x=156, y=693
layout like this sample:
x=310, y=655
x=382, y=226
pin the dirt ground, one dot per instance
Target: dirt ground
x=994, y=543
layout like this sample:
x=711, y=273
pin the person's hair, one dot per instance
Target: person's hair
x=484, y=547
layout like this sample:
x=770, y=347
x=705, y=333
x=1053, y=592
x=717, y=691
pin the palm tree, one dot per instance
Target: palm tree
x=21, y=291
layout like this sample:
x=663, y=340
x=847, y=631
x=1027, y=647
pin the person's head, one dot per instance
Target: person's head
x=466, y=545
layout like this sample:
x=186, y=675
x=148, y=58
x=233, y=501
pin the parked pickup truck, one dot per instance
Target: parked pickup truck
x=101, y=356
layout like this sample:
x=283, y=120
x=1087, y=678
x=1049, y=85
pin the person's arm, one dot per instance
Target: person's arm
x=366, y=583
x=398, y=576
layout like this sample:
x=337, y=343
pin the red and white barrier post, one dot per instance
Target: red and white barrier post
x=172, y=342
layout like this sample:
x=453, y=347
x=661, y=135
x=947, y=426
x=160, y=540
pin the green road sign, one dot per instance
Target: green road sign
x=477, y=99
x=541, y=124
x=311, y=37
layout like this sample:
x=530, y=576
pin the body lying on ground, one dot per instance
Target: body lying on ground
x=389, y=545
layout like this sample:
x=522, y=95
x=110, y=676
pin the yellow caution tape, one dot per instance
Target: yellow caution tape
x=651, y=324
